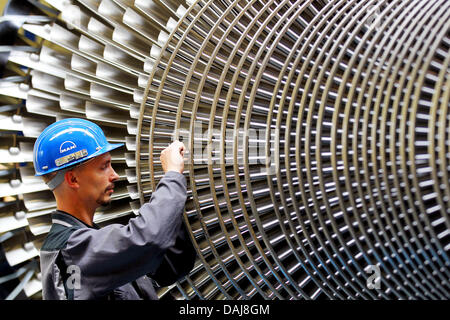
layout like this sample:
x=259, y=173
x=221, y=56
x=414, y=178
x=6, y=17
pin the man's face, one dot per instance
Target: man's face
x=96, y=180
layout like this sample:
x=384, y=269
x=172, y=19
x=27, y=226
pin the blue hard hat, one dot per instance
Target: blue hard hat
x=69, y=142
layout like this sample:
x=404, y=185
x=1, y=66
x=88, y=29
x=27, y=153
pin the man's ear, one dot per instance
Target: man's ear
x=71, y=179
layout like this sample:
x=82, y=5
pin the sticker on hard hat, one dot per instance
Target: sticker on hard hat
x=70, y=157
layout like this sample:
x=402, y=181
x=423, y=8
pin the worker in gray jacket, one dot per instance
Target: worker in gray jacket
x=79, y=260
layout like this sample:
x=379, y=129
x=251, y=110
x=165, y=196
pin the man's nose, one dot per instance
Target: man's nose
x=114, y=175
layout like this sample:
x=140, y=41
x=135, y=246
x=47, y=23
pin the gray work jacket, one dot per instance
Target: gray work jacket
x=119, y=261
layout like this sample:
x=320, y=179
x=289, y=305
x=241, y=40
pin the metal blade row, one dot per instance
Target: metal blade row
x=75, y=59
x=318, y=145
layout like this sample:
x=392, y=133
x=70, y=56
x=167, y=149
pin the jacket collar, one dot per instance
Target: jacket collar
x=68, y=220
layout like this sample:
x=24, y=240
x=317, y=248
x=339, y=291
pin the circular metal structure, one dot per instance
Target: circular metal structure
x=317, y=132
x=318, y=137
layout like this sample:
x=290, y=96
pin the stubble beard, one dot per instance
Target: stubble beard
x=102, y=202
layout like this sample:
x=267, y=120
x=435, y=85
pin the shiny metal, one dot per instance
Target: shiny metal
x=317, y=135
x=355, y=179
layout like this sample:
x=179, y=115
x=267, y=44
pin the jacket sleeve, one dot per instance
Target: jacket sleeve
x=177, y=262
x=117, y=254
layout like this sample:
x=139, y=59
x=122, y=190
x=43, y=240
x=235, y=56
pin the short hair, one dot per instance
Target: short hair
x=49, y=176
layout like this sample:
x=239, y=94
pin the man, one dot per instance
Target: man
x=79, y=260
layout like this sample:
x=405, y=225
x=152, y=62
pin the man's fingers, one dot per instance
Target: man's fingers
x=170, y=157
x=182, y=148
x=178, y=145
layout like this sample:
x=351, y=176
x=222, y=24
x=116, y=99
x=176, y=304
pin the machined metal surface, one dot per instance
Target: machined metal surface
x=317, y=136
